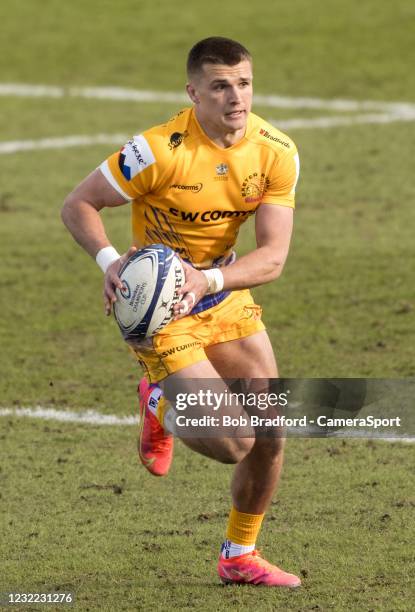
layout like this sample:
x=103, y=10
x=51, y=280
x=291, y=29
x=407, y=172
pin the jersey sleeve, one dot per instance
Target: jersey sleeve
x=283, y=180
x=133, y=171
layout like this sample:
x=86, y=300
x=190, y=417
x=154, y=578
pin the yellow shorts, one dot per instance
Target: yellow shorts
x=183, y=342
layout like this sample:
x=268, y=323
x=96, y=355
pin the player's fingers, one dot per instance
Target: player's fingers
x=128, y=254
x=109, y=293
x=180, y=309
x=114, y=281
x=183, y=307
x=192, y=297
x=188, y=285
x=107, y=305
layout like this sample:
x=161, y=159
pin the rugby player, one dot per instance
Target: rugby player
x=192, y=182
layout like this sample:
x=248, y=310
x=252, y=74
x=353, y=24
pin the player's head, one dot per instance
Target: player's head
x=215, y=50
x=220, y=82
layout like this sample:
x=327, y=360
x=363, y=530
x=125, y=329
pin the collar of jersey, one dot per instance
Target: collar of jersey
x=211, y=143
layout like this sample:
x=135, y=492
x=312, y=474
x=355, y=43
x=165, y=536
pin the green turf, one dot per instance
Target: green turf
x=81, y=515
x=343, y=307
x=356, y=49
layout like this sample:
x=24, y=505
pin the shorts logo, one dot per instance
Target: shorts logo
x=266, y=134
x=178, y=349
x=135, y=157
x=193, y=188
x=255, y=187
x=176, y=139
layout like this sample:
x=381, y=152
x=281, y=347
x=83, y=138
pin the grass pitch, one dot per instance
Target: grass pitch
x=79, y=513
x=93, y=522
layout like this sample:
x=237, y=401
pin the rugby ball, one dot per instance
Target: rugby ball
x=151, y=278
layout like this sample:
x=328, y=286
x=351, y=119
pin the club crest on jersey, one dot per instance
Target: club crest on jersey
x=255, y=187
x=221, y=169
x=135, y=157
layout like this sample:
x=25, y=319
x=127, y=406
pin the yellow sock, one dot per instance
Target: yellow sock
x=243, y=528
x=162, y=408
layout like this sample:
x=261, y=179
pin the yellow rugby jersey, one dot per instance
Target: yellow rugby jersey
x=192, y=195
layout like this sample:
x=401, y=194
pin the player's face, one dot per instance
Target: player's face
x=223, y=97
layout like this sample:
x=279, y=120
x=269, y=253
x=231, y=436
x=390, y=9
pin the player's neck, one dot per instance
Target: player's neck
x=220, y=136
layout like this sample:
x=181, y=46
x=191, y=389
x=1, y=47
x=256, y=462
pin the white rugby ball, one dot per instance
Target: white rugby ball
x=151, y=278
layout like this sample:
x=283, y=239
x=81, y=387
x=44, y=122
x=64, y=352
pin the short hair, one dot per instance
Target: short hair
x=216, y=50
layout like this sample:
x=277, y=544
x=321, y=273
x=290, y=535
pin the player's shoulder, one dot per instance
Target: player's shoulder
x=167, y=137
x=264, y=133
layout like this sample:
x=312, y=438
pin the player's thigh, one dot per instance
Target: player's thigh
x=248, y=357
x=202, y=378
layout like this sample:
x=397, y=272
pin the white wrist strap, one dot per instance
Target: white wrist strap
x=215, y=281
x=106, y=256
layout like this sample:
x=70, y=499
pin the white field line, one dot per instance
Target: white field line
x=64, y=142
x=140, y=95
x=336, y=120
x=387, y=112
x=92, y=417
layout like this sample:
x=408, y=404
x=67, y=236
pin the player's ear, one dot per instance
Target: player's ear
x=191, y=92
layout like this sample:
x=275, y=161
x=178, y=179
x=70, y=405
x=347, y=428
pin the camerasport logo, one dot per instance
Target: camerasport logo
x=176, y=139
x=266, y=134
x=255, y=187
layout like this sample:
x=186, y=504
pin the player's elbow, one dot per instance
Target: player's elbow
x=275, y=268
x=74, y=207
x=67, y=209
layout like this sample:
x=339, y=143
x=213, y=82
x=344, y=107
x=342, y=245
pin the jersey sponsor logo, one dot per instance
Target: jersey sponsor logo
x=176, y=139
x=266, y=134
x=209, y=215
x=193, y=188
x=135, y=157
x=255, y=187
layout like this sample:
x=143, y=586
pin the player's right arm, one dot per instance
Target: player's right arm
x=81, y=215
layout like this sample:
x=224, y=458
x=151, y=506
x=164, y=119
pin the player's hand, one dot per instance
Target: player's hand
x=193, y=290
x=112, y=280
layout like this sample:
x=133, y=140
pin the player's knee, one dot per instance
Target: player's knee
x=271, y=448
x=235, y=450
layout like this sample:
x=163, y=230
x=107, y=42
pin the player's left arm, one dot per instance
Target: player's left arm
x=273, y=229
